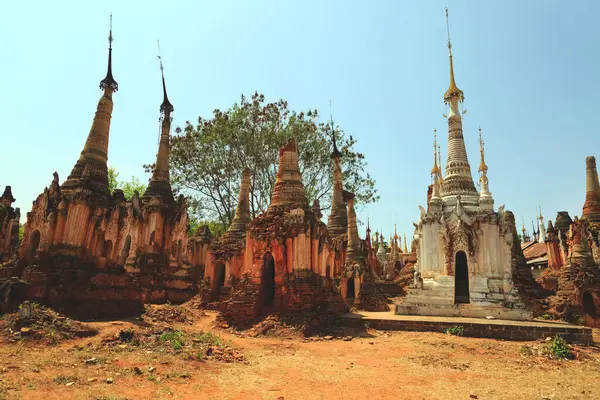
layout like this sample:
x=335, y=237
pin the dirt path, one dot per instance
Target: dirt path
x=397, y=365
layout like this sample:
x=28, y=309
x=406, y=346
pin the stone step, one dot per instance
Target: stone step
x=473, y=327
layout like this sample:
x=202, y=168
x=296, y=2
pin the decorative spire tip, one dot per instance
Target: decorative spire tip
x=109, y=81
x=166, y=106
x=335, y=153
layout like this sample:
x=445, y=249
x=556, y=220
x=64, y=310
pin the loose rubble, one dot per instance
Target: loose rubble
x=36, y=322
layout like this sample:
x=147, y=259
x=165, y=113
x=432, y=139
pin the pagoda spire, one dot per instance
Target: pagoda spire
x=90, y=172
x=109, y=81
x=237, y=229
x=453, y=90
x=435, y=171
x=160, y=185
x=541, y=227
x=435, y=201
x=458, y=179
x=591, y=207
x=288, y=189
x=337, y=223
x=485, y=197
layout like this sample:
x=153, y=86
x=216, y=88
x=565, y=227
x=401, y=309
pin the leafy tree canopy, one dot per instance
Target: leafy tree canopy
x=207, y=158
x=128, y=187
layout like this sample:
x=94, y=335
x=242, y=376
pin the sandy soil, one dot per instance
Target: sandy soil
x=373, y=365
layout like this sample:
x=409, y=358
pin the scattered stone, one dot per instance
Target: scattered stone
x=151, y=369
x=137, y=370
x=109, y=380
x=91, y=361
x=70, y=384
x=36, y=322
x=91, y=380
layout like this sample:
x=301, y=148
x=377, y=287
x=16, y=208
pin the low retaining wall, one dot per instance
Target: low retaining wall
x=497, y=329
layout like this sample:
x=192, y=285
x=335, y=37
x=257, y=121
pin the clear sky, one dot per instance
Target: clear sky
x=529, y=70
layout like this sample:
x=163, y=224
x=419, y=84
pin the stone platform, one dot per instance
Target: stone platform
x=474, y=327
x=464, y=310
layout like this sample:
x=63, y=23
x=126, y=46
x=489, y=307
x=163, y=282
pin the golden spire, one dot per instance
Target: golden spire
x=436, y=169
x=540, y=207
x=395, y=234
x=453, y=90
x=482, y=166
x=405, y=250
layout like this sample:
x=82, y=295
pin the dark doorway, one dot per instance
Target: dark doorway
x=350, y=288
x=268, y=280
x=588, y=304
x=461, y=279
x=107, y=249
x=219, y=277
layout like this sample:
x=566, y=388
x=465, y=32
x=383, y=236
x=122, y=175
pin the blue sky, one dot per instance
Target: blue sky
x=529, y=71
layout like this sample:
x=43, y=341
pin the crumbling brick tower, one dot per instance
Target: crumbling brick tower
x=286, y=248
x=337, y=222
x=93, y=253
x=578, y=280
x=228, y=253
x=9, y=226
x=357, y=283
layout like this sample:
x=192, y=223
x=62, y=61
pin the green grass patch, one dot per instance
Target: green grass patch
x=208, y=338
x=173, y=338
x=456, y=330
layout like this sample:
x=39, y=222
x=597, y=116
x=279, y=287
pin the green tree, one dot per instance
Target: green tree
x=128, y=188
x=207, y=158
x=113, y=181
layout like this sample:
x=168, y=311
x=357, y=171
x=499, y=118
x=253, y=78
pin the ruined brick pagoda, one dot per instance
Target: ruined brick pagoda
x=94, y=253
x=9, y=226
x=574, y=274
x=286, y=254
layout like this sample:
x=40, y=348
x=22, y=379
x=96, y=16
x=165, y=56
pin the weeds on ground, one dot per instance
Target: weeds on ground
x=456, y=330
x=557, y=349
x=174, y=338
x=560, y=348
x=208, y=338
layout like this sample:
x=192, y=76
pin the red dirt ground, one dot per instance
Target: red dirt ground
x=376, y=365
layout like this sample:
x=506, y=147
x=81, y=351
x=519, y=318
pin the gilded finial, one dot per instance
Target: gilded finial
x=540, y=208
x=435, y=171
x=482, y=166
x=453, y=90
x=109, y=81
x=335, y=153
x=166, y=106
